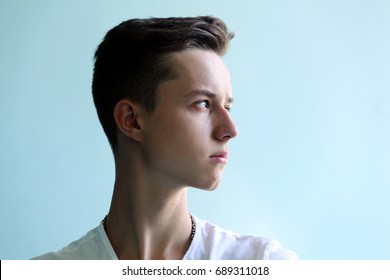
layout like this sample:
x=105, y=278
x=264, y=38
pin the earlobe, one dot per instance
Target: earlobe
x=128, y=120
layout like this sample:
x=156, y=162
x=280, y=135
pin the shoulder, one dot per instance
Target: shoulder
x=214, y=242
x=93, y=245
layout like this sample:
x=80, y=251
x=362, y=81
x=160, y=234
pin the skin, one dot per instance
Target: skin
x=182, y=143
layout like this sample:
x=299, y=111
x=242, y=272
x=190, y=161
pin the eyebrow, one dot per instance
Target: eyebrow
x=204, y=92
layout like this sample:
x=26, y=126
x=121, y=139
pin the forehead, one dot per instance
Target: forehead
x=200, y=70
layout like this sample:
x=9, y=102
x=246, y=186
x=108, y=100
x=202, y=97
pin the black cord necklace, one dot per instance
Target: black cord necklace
x=193, y=226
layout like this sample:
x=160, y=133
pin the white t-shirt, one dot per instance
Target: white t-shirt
x=210, y=243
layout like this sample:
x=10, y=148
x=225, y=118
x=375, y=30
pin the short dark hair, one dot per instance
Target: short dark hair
x=133, y=59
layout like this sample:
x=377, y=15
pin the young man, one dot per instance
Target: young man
x=163, y=96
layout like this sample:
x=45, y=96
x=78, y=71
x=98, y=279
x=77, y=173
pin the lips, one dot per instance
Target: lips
x=221, y=156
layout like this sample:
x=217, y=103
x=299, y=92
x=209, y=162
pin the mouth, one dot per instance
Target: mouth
x=220, y=157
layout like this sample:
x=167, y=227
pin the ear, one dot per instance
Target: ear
x=128, y=118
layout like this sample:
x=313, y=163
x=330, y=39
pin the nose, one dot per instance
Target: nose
x=225, y=129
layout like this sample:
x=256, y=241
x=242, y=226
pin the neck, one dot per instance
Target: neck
x=147, y=220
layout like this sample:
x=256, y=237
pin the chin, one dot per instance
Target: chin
x=211, y=186
x=210, y=182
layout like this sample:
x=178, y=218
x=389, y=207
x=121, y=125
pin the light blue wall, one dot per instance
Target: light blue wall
x=311, y=82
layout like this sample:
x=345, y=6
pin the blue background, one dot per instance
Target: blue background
x=311, y=82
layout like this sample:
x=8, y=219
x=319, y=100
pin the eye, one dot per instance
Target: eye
x=203, y=104
x=228, y=108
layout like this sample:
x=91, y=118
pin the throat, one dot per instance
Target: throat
x=159, y=244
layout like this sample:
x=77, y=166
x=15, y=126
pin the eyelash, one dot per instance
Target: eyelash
x=207, y=102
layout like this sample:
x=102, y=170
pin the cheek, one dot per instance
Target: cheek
x=185, y=139
x=179, y=135
x=194, y=136
x=165, y=140
x=187, y=129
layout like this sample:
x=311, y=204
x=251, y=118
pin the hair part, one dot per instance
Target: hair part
x=133, y=59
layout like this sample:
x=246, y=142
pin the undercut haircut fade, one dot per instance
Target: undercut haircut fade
x=132, y=60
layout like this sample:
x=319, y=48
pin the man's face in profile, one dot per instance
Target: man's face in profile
x=186, y=136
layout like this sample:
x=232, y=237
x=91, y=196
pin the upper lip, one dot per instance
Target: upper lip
x=222, y=154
